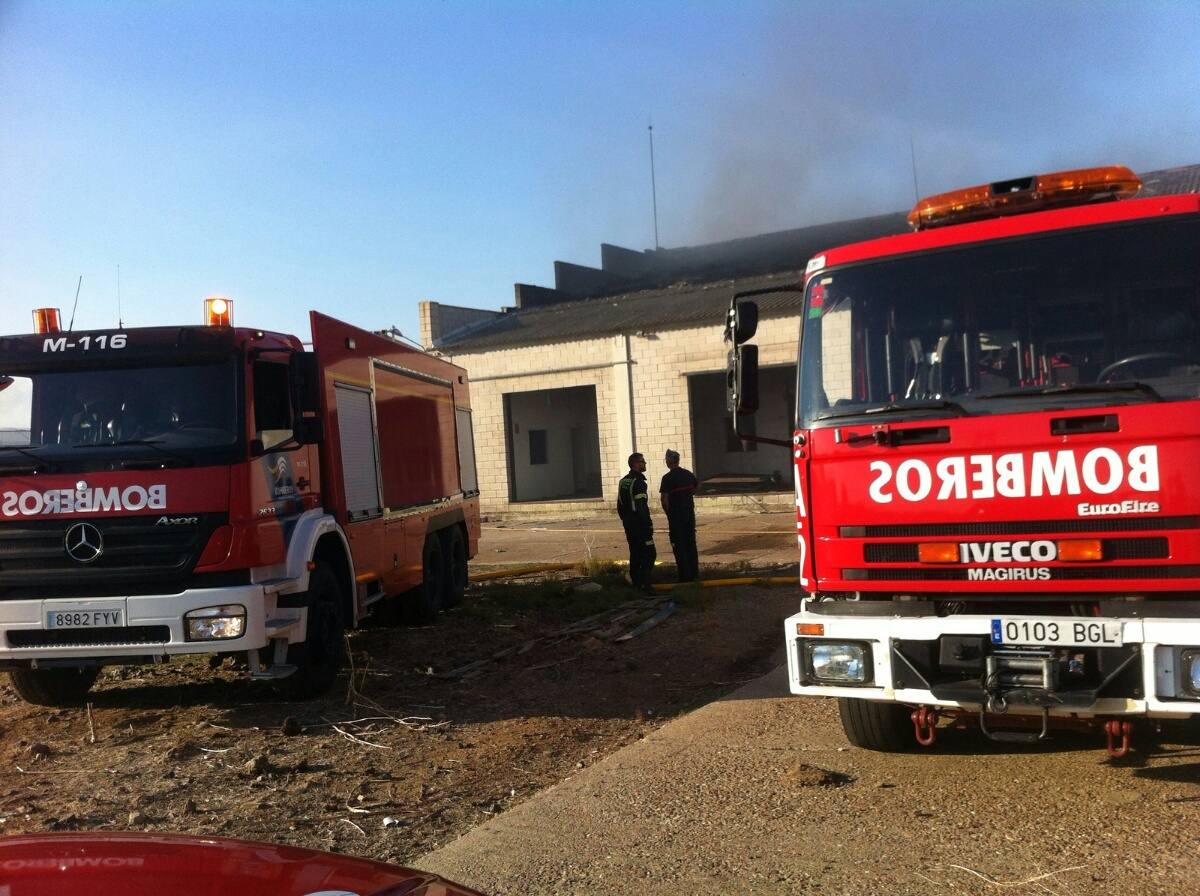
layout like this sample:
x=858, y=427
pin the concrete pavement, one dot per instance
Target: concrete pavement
x=758, y=793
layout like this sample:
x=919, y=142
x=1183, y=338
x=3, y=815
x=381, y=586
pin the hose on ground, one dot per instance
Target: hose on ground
x=531, y=569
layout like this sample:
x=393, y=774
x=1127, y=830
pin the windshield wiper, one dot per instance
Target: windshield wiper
x=1077, y=389
x=28, y=452
x=897, y=408
x=149, y=443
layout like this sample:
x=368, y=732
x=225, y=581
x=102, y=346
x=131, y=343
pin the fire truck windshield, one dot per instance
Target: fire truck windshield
x=178, y=414
x=1080, y=318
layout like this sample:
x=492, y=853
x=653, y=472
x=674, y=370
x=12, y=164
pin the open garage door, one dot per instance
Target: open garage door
x=553, y=444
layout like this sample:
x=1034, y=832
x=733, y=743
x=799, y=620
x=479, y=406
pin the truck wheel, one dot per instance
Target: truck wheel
x=53, y=687
x=455, y=547
x=319, y=659
x=423, y=602
x=872, y=725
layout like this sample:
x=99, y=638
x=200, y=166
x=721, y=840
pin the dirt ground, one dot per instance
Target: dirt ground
x=405, y=758
x=757, y=539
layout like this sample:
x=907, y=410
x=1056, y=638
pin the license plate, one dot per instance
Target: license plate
x=1064, y=632
x=103, y=617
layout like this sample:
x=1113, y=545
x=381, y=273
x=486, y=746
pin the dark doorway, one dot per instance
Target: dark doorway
x=724, y=463
x=553, y=444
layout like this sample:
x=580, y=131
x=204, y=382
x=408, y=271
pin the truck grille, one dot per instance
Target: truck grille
x=1057, y=573
x=123, y=636
x=139, y=557
x=1023, y=527
x=1113, y=549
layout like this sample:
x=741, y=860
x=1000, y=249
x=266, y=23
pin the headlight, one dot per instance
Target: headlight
x=1189, y=671
x=830, y=662
x=216, y=623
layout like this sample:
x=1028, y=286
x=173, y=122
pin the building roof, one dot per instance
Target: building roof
x=682, y=305
x=704, y=278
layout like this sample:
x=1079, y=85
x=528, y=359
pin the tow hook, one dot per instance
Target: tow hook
x=1119, y=736
x=925, y=719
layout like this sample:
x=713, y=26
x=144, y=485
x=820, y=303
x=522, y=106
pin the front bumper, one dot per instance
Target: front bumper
x=1142, y=676
x=154, y=626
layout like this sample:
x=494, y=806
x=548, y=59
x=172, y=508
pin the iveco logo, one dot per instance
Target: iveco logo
x=84, y=543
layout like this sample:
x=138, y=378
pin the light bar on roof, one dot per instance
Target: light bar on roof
x=1024, y=194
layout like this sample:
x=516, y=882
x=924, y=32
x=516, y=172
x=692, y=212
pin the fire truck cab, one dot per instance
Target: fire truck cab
x=996, y=444
x=222, y=490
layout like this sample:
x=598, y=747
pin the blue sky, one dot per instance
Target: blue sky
x=358, y=157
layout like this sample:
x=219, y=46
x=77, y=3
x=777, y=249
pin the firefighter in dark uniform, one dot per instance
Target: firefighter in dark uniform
x=677, y=488
x=634, y=510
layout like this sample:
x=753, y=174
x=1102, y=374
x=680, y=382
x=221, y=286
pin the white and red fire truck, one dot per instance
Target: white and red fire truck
x=997, y=463
x=220, y=490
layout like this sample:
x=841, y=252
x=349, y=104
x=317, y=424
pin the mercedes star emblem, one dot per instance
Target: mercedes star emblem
x=84, y=543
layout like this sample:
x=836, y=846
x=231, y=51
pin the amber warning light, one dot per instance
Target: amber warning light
x=46, y=320
x=218, y=311
x=1025, y=194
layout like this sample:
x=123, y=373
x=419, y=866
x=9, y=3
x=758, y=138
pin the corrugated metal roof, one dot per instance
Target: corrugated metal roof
x=682, y=305
x=692, y=303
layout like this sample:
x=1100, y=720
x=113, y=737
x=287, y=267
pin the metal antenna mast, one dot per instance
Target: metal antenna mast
x=653, y=187
x=71, y=325
x=120, y=322
x=912, y=152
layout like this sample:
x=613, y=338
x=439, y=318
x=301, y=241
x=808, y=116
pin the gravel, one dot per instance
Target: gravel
x=757, y=793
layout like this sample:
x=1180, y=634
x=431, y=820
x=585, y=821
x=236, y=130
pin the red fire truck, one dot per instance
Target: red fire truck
x=997, y=463
x=220, y=490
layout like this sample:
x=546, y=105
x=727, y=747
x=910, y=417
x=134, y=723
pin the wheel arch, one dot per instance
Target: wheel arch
x=317, y=538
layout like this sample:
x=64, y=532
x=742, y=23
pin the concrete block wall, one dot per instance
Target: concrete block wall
x=836, y=337
x=655, y=377
x=494, y=373
x=663, y=362
x=438, y=320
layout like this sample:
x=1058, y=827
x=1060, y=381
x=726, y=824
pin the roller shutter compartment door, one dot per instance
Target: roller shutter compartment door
x=360, y=453
x=468, y=478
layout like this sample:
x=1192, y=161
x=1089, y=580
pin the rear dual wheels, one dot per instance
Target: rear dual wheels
x=455, y=546
x=443, y=576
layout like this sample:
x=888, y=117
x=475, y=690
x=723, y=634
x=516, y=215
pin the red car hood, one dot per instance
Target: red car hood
x=177, y=865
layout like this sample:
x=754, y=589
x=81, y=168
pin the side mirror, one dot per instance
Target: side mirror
x=304, y=378
x=742, y=380
x=742, y=323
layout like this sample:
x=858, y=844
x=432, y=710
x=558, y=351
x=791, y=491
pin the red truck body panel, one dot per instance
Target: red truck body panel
x=414, y=399
x=859, y=498
x=1013, y=226
x=867, y=496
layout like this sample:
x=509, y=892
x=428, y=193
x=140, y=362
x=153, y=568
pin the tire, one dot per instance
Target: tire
x=423, y=602
x=53, y=687
x=872, y=725
x=455, y=547
x=320, y=657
